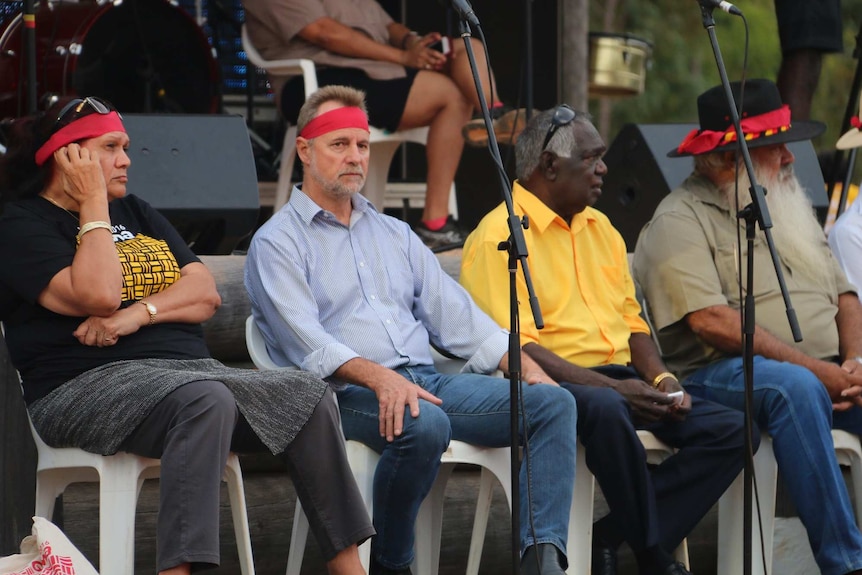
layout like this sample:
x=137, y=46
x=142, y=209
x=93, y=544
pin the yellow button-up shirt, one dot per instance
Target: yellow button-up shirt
x=580, y=273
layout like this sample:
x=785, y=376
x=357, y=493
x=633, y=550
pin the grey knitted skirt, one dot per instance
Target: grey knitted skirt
x=99, y=409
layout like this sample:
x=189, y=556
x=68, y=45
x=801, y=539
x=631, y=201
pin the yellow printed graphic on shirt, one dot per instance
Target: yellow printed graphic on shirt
x=148, y=266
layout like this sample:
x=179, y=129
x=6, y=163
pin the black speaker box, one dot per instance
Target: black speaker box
x=640, y=174
x=197, y=170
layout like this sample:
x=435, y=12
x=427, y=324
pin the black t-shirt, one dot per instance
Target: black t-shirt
x=37, y=240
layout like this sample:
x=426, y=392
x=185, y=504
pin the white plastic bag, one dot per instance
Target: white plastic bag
x=46, y=552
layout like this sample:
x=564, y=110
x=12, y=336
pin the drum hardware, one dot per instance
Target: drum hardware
x=618, y=64
x=90, y=47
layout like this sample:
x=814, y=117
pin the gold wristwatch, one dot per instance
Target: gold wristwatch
x=151, y=309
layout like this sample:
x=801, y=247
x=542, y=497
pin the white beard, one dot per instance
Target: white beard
x=797, y=234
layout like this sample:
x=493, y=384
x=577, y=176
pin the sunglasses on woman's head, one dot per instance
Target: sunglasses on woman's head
x=73, y=109
x=563, y=116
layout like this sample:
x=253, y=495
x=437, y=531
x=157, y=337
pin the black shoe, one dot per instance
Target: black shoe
x=448, y=237
x=676, y=568
x=604, y=561
x=378, y=569
x=549, y=557
x=508, y=124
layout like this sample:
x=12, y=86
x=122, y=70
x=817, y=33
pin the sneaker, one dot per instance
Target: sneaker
x=508, y=124
x=448, y=237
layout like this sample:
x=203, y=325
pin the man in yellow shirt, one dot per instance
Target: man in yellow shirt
x=596, y=344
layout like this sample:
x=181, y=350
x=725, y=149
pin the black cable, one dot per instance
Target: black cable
x=749, y=454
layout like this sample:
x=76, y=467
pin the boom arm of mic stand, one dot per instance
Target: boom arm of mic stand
x=761, y=211
x=756, y=211
x=514, y=222
x=517, y=247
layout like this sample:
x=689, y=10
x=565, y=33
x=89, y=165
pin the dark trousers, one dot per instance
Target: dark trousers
x=193, y=430
x=659, y=505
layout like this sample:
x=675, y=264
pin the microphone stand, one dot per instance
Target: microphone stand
x=755, y=212
x=517, y=248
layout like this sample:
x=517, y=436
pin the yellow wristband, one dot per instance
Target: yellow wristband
x=90, y=226
x=662, y=376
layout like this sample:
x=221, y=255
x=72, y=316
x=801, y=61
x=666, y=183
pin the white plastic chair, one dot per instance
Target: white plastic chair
x=383, y=144
x=494, y=464
x=120, y=479
x=848, y=453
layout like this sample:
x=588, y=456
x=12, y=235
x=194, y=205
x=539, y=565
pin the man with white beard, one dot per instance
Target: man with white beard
x=686, y=261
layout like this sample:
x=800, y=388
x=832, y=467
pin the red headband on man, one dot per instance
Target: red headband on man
x=768, y=124
x=89, y=126
x=337, y=119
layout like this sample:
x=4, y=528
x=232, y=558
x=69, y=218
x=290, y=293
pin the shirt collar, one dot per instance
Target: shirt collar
x=308, y=208
x=541, y=216
x=705, y=191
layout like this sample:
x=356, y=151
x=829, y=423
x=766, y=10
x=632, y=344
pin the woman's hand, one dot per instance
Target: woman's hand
x=419, y=55
x=106, y=331
x=83, y=177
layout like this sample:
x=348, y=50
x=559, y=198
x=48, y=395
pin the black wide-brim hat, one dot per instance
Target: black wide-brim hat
x=767, y=118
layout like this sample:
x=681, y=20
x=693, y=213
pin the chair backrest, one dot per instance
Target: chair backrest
x=286, y=67
x=257, y=346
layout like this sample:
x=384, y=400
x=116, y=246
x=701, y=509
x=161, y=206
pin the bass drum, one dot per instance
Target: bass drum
x=141, y=55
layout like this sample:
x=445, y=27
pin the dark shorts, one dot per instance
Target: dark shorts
x=385, y=99
x=809, y=24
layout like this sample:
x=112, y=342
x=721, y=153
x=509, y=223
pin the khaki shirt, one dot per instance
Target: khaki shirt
x=686, y=260
x=274, y=26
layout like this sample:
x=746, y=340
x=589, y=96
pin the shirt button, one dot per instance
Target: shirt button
x=388, y=321
x=362, y=264
x=374, y=297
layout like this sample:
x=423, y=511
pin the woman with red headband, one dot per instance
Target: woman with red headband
x=102, y=303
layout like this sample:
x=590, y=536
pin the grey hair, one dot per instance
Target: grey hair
x=342, y=94
x=711, y=163
x=528, y=150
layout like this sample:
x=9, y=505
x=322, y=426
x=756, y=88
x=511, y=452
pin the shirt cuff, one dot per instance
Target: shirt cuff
x=487, y=357
x=325, y=361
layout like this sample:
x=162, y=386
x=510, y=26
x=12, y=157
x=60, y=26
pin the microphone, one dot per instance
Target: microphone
x=464, y=10
x=721, y=5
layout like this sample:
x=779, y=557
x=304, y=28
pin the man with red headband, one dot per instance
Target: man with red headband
x=355, y=297
x=686, y=261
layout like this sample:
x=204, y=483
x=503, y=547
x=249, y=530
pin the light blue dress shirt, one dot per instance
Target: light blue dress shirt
x=324, y=293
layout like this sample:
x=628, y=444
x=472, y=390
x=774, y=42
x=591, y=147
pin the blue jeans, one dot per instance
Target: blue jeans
x=475, y=410
x=792, y=405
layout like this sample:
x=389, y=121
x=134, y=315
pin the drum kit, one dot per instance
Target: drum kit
x=145, y=56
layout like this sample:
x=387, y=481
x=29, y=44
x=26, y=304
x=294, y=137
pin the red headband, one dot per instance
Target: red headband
x=337, y=119
x=768, y=124
x=89, y=126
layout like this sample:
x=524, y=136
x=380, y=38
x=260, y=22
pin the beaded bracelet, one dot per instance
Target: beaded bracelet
x=90, y=226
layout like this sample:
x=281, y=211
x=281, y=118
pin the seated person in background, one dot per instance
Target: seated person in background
x=845, y=237
x=407, y=83
x=353, y=296
x=102, y=303
x=686, y=262
x=599, y=348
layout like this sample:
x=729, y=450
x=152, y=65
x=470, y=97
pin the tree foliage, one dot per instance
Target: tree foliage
x=683, y=65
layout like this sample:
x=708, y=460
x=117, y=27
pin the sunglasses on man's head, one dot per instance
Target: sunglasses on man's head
x=563, y=116
x=73, y=110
